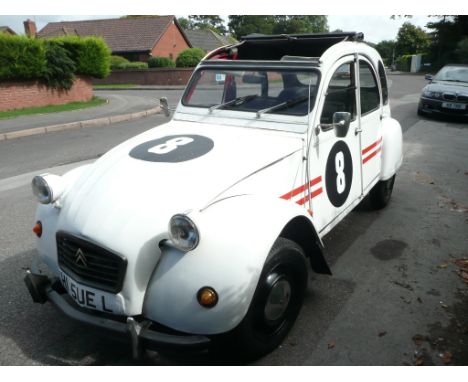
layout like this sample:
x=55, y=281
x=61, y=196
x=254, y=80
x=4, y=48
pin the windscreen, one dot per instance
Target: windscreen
x=265, y=91
x=452, y=73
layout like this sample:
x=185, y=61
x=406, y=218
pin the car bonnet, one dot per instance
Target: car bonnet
x=175, y=168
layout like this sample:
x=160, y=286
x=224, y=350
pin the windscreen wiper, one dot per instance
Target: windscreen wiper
x=236, y=101
x=282, y=105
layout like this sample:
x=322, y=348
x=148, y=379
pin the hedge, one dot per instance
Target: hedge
x=53, y=61
x=116, y=61
x=161, y=62
x=132, y=65
x=190, y=57
x=60, y=68
x=90, y=54
x=21, y=58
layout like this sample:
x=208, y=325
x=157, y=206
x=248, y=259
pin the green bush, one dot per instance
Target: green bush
x=21, y=58
x=190, y=57
x=161, y=62
x=90, y=54
x=403, y=63
x=132, y=65
x=53, y=61
x=60, y=68
x=115, y=61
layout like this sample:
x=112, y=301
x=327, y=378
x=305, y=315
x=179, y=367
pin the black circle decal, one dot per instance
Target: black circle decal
x=339, y=173
x=173, y=148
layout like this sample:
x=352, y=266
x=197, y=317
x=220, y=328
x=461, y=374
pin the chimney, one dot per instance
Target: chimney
x=30, y=28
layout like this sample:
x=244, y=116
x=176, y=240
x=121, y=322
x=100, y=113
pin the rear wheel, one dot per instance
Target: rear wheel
x=381, y=193
x=276, y=303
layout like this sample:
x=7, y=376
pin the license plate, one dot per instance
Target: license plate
x=91, y=298
x=456, y=106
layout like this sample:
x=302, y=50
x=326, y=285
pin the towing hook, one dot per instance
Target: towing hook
x=36, y=285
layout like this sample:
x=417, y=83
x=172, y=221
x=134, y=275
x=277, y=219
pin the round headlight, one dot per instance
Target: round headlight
x=183, y=233
x=47, y=188
x=41, y=190
x=428, y=94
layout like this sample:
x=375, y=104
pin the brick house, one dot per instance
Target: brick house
x=136, y=39
x=7, y=30
x=207, y=39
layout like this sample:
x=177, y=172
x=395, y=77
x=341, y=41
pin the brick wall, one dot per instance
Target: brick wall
x=171, y=43
x=19, y=95
x=153, y=76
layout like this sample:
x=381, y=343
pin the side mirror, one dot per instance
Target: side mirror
x=164, y=106
x=341, y=121
x=428, y=77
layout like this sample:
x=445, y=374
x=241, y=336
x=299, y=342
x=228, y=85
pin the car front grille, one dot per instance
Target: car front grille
x=462, y=98
x=449, y=96
x=90, y=264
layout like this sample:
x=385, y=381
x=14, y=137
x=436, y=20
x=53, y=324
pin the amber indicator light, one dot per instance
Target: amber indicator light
x=37, y=229
x=207, y=297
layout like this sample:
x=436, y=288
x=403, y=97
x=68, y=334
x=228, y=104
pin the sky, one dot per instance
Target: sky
x=375, y=28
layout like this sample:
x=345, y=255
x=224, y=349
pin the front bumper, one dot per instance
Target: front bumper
x=138, y=330
x=434, y=106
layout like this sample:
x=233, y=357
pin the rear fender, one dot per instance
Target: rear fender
x=392, y=148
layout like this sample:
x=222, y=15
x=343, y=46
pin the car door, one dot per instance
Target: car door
x=334, y=163
x=370, y=109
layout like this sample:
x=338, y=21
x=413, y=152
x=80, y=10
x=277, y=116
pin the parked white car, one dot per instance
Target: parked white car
x=199, y=232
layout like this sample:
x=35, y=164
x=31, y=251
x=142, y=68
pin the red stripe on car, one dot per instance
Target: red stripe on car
x=370, y=156
x=300, y=189
x=305, y=199
x=369, y=148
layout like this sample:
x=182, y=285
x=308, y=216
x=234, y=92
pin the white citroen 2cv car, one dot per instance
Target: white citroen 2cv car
x=201, y=231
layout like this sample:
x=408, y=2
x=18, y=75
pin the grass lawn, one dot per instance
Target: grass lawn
x=117, y=86
x=95, y=101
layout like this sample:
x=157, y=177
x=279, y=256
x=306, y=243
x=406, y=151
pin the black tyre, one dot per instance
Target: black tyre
x=381, y=193
x=275, y=305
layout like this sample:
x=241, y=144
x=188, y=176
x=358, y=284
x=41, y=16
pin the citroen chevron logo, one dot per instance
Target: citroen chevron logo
x=80, y=258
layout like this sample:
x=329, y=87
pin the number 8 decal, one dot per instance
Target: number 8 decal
x=340, y=175
x=170, y=145
x=173, y=148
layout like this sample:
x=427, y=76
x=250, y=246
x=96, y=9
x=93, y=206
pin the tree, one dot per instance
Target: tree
x=267, y=24
x=244, y=25
x=386, y=49
x=300, y=24
x=411, y=40
x=448, y=34
x=213, y=22
x=184, y=23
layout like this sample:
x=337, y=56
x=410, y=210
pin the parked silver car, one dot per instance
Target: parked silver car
x=446, y=93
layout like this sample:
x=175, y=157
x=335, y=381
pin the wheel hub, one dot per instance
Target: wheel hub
x=278, y=298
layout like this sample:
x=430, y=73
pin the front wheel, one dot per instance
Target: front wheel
x=381, y=193
x=276, y=302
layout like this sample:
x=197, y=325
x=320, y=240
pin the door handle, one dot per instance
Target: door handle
x=357, y=130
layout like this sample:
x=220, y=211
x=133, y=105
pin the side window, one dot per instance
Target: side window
x=341, y=95
x=383, y=83
x=369, y=90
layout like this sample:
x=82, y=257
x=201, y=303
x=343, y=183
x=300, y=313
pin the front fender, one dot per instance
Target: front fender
x=49, y=214
x=236, y=235
x=392, y=148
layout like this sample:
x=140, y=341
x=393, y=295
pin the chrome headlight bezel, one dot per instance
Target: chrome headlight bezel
x=47, y=188
x=431, y=94
x=183, y=233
